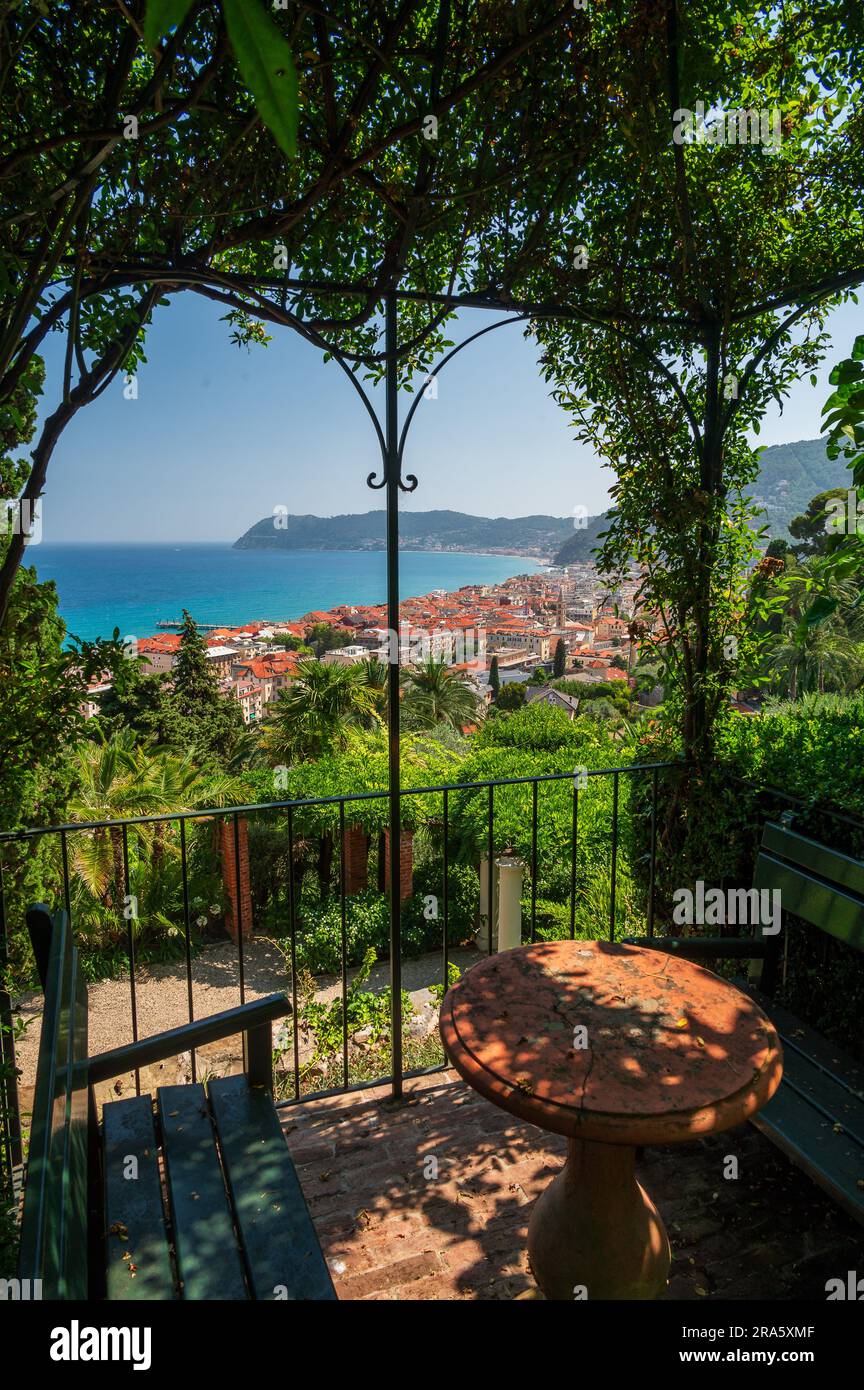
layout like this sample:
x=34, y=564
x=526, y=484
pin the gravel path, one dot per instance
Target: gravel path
x=162, y=1001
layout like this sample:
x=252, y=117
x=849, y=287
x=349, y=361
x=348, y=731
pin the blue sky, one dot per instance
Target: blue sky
x=218, y=437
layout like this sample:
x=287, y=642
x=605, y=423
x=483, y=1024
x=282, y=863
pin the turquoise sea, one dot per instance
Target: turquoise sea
x=132, y=587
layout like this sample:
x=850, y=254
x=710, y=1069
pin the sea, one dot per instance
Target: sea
x=134, y=587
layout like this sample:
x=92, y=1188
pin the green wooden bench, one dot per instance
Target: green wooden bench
x=196, y=1198
x=817, y=1115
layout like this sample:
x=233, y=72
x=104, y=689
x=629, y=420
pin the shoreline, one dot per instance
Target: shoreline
x=135, y=586
x=538, y=559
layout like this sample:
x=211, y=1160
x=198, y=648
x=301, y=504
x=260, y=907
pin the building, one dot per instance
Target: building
x=92, y=704
x=159, y=653
x=251, y=701
x=557, y=699
x=221, y=659
x=347, y=656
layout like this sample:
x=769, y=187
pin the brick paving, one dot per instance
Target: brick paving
x=429, y=1199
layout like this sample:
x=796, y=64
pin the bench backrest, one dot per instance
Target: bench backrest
x=54, y=1223
x=818, y=884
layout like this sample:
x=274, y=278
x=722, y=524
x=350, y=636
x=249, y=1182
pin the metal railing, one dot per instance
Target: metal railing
x=443, y=828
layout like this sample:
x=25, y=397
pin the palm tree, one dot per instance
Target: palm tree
x=375, y=674
x=818, y=642
x=811, y=658
x=113, y=781
x=318, y=711
x=436, y=695
x=116, y=780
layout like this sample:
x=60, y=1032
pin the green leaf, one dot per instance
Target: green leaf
x=161, y=16
x=846, y=372
x=267, y=65
x=819, y=611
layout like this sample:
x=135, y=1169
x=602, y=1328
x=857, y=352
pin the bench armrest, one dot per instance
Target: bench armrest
x=705, y=947
x=253, y=1019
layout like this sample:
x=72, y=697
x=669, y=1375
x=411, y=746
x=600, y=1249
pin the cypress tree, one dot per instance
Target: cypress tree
x=213, y=720
x=196, y=688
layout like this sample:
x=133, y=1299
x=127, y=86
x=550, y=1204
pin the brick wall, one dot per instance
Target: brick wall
x=356, y=859
x=229, y=874
x=406, y=863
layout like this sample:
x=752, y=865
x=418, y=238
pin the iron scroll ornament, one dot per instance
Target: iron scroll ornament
x=409, y=483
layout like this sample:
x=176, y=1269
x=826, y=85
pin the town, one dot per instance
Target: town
x=518, y=624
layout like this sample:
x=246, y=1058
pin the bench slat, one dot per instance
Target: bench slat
x=135, y=1205
x=815, y=1068
x=819, y=859
x=830, y=909
x=799, y=1036
x=833, y=1160
x=279, y=1240
x=54, y=1224
x=208, y=1260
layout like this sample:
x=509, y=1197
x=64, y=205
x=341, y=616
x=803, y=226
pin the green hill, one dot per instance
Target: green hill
x=581, y=542
x=789, y=476
x=439, y=530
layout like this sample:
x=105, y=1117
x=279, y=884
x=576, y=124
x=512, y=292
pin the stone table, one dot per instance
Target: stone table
x=614, y=1046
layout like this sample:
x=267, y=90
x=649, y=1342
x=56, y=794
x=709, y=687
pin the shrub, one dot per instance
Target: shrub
x=802, y=757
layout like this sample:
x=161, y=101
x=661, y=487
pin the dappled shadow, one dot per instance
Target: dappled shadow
x=434, y=1193
x=391, y=1227
x=436, y=1190
x=609, y=1042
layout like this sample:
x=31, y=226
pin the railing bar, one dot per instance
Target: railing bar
x=187, y=933
x=11, y=1109
x=490, y=870
x=292, y=917
x=64, y=856
x=215, y=812
x=131, y=917
x=238, y=918
x=344, y=928
x=365, y=1085
x=573, y=846
x=534, y=795
x=446, y=895
x=613, y=885
x=653, y=854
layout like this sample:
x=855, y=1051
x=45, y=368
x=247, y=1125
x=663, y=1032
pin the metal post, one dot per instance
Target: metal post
x=10, y=1120
x=392, y=495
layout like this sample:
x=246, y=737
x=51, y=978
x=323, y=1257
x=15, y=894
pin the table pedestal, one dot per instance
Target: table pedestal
x=595, y=1228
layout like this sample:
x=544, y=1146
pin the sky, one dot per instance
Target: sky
x=218, y=436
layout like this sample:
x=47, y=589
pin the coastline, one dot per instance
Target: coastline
x=134, y=586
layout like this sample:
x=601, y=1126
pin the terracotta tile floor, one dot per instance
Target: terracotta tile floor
x=430, y=1199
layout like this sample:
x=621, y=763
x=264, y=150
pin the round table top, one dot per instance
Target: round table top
x=611, y=1043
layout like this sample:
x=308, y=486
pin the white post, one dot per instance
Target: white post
x=481, y=940
x=509, y=903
